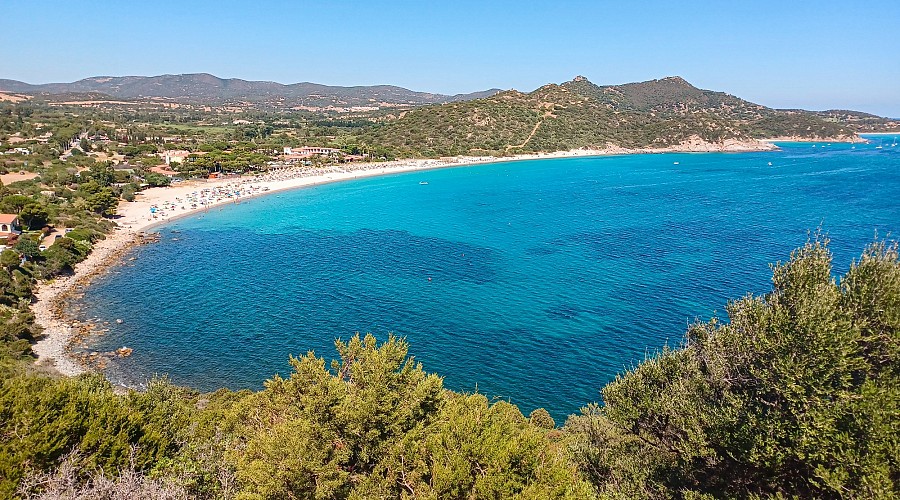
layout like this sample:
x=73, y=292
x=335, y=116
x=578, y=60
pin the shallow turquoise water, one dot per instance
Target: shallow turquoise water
x=534, y=281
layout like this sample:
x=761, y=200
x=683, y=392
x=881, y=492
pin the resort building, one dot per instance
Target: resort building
x=174, y=156
x=164, y=170
x=307, y=151
x=18, y=151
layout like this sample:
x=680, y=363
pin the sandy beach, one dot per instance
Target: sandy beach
x=155, y=206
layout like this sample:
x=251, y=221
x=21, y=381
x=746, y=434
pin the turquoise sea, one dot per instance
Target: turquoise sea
x=533, y=281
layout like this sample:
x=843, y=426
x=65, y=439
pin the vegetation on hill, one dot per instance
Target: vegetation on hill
x=373, y=425
x=668, y=96
x=579, y=114
x=797, y=395
x=575, y=114
x=860, y=122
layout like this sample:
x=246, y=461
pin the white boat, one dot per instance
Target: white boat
x=423, y=183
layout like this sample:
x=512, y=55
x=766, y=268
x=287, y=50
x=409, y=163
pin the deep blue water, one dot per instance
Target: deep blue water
x=533, y=281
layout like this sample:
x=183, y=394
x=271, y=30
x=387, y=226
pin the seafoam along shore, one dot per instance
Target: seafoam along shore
x=158, y=205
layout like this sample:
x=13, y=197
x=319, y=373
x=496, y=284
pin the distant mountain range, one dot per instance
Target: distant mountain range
x=203, y=88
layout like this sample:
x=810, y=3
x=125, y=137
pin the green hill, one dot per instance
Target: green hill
x=668, y=96
x=580, y=114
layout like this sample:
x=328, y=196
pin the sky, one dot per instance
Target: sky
x=787, y=54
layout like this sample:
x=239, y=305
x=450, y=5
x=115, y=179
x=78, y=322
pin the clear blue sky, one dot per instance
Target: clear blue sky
x=794, y=53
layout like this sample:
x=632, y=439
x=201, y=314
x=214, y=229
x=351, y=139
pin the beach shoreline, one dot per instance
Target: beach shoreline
x=858, y=139
x=134, y=219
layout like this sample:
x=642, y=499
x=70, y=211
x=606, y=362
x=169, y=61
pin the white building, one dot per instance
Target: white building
x=9, y=227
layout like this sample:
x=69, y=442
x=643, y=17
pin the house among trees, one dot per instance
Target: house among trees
x=9, y=224
x=9, y=229
x=174, y=156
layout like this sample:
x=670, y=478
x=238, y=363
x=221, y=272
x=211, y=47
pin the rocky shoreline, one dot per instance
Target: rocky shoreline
x=61, y=331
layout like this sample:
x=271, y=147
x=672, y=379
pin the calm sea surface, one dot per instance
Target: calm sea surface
x=533, y=281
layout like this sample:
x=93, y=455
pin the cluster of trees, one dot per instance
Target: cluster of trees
x=372, y=425
x=56, y=198
x=223, y=157
x=20, y=269
x=796, y=396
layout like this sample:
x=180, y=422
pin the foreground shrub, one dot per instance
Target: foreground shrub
x=43, y=420
x=798, y=394
x=377, y=426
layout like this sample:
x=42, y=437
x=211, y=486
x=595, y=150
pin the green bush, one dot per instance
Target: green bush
x=42, y=420
x=83, y=234
x=375, y=425
x=797, y=395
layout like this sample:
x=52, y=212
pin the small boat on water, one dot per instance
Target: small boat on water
x=423, y=183
x=675, y=163
x=770, y=164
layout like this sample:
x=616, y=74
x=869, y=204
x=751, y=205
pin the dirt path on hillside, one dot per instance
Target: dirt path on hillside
x=533, y=131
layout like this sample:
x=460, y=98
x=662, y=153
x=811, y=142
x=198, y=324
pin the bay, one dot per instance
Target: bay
x=532, y=281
